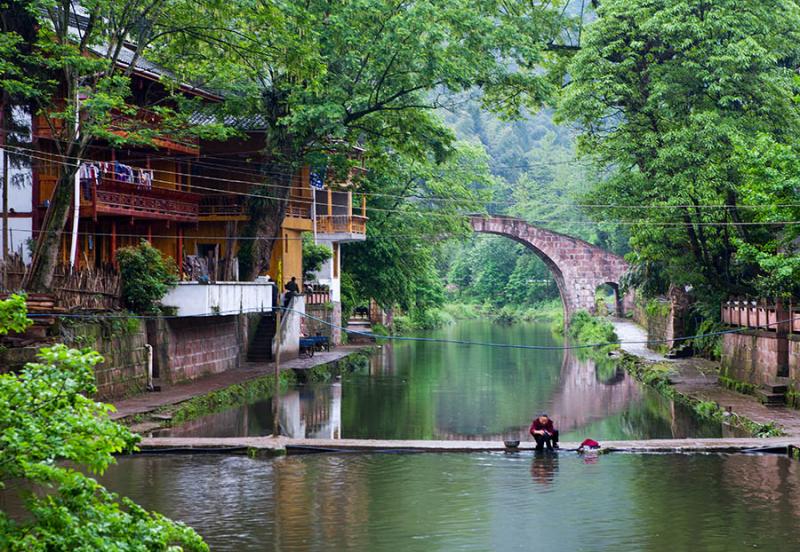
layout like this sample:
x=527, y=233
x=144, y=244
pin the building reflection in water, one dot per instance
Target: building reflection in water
x=313, y=411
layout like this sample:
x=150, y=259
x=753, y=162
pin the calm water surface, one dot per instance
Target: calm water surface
x=430, y=502
x=414, y=390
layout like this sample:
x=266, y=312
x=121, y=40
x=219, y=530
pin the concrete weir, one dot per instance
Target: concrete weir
x=268, y=446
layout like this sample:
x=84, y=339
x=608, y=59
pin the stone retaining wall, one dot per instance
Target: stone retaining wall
x=123, y=371
x=189, y=348
x=754, y=356
x=794, y=359
x=665, y=318
x=331, y=316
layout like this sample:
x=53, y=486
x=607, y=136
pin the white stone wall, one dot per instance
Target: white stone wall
x=222, y=298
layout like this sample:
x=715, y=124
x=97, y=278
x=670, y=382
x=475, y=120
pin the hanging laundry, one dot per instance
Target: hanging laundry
x=146, y=178
x=89, y=175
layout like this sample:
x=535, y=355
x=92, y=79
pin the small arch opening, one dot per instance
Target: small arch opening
x=607, y=300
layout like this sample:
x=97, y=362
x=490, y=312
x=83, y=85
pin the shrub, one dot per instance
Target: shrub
x=51, y=432
x=146, y=277
x=313, y=256
x=592, y=330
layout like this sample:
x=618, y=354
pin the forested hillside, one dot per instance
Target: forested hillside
x=538, y=179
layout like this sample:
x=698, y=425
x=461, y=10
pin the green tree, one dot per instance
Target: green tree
x=690, y=108
x=60, y=59
x=417, y=207
x=313, y=256
x=48, y=418
x=324, y=76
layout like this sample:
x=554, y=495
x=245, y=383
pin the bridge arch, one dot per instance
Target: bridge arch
x=577, y=266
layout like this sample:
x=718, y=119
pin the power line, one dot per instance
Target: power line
x=46, y=156
x=417, y=338
x=406, y=212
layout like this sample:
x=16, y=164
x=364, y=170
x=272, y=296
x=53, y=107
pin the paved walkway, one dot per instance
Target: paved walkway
x=234, y=445
x=148, y=402
x=697, y=377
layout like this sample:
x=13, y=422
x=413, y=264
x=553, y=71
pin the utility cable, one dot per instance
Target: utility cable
x=47, y=156
x=415, y=338
x=404, y=212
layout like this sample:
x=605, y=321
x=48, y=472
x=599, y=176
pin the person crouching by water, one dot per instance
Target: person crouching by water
x=544, y=433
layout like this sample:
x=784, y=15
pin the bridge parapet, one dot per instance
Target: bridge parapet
x=578, y=267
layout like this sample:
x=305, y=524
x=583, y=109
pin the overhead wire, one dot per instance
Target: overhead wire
x=437, y=340
x=47, y=156
x=405, y=212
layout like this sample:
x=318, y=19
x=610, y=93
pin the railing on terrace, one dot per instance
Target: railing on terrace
x=114, y=197
x=761, y=315
x=337, y=224
x=122, y=124
x=84, y=289
x=222, y=207
x=317, y=295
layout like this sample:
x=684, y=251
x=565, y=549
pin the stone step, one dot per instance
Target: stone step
x=776, y=388
x=770, y=399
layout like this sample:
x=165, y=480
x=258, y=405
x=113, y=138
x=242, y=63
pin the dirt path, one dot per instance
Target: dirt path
x=697, y=377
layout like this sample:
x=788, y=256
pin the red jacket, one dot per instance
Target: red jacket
x=539, y=426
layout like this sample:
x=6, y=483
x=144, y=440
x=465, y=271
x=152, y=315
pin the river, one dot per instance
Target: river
x=423, y=390
x=479, y=501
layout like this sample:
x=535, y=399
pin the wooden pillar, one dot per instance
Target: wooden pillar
x=330, y=202
x=114, y=242
x=364, y=205
x=349, y=211
x=782, y=333
x=180, y=250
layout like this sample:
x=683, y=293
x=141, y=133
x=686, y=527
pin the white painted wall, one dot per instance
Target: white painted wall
x=326, y=274
x=292, y=327
x=196, y=299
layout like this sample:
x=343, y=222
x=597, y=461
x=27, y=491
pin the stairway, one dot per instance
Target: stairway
x=772, y=394
x=357, y=324
x=260, y=349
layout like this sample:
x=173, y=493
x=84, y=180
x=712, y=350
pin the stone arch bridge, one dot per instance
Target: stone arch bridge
x=578, y=267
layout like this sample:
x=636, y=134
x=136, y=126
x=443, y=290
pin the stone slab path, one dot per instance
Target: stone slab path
x=241, y=445
x=697, y=377
x=148, y=402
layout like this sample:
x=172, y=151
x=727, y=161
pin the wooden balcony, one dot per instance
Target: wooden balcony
x=220, y=207
x=343, y=227
x=112, y=197
x=123, y=124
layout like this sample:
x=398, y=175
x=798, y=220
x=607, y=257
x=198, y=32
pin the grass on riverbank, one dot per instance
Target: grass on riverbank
x=658, y=375
x=248, y=391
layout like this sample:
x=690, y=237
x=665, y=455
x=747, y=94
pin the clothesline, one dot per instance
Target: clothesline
x=93, y=173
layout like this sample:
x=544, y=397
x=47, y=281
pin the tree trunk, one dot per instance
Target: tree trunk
x=266, y=219
x=48, y=244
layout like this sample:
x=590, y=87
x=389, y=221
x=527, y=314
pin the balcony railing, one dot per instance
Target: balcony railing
x=123, y=124
x=341, y=224
x=760, y=315
x=317, y=295
x=222, y=207
x=113, y=197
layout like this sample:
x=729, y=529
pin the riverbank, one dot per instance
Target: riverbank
x=694, y=381
x=150, y=411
